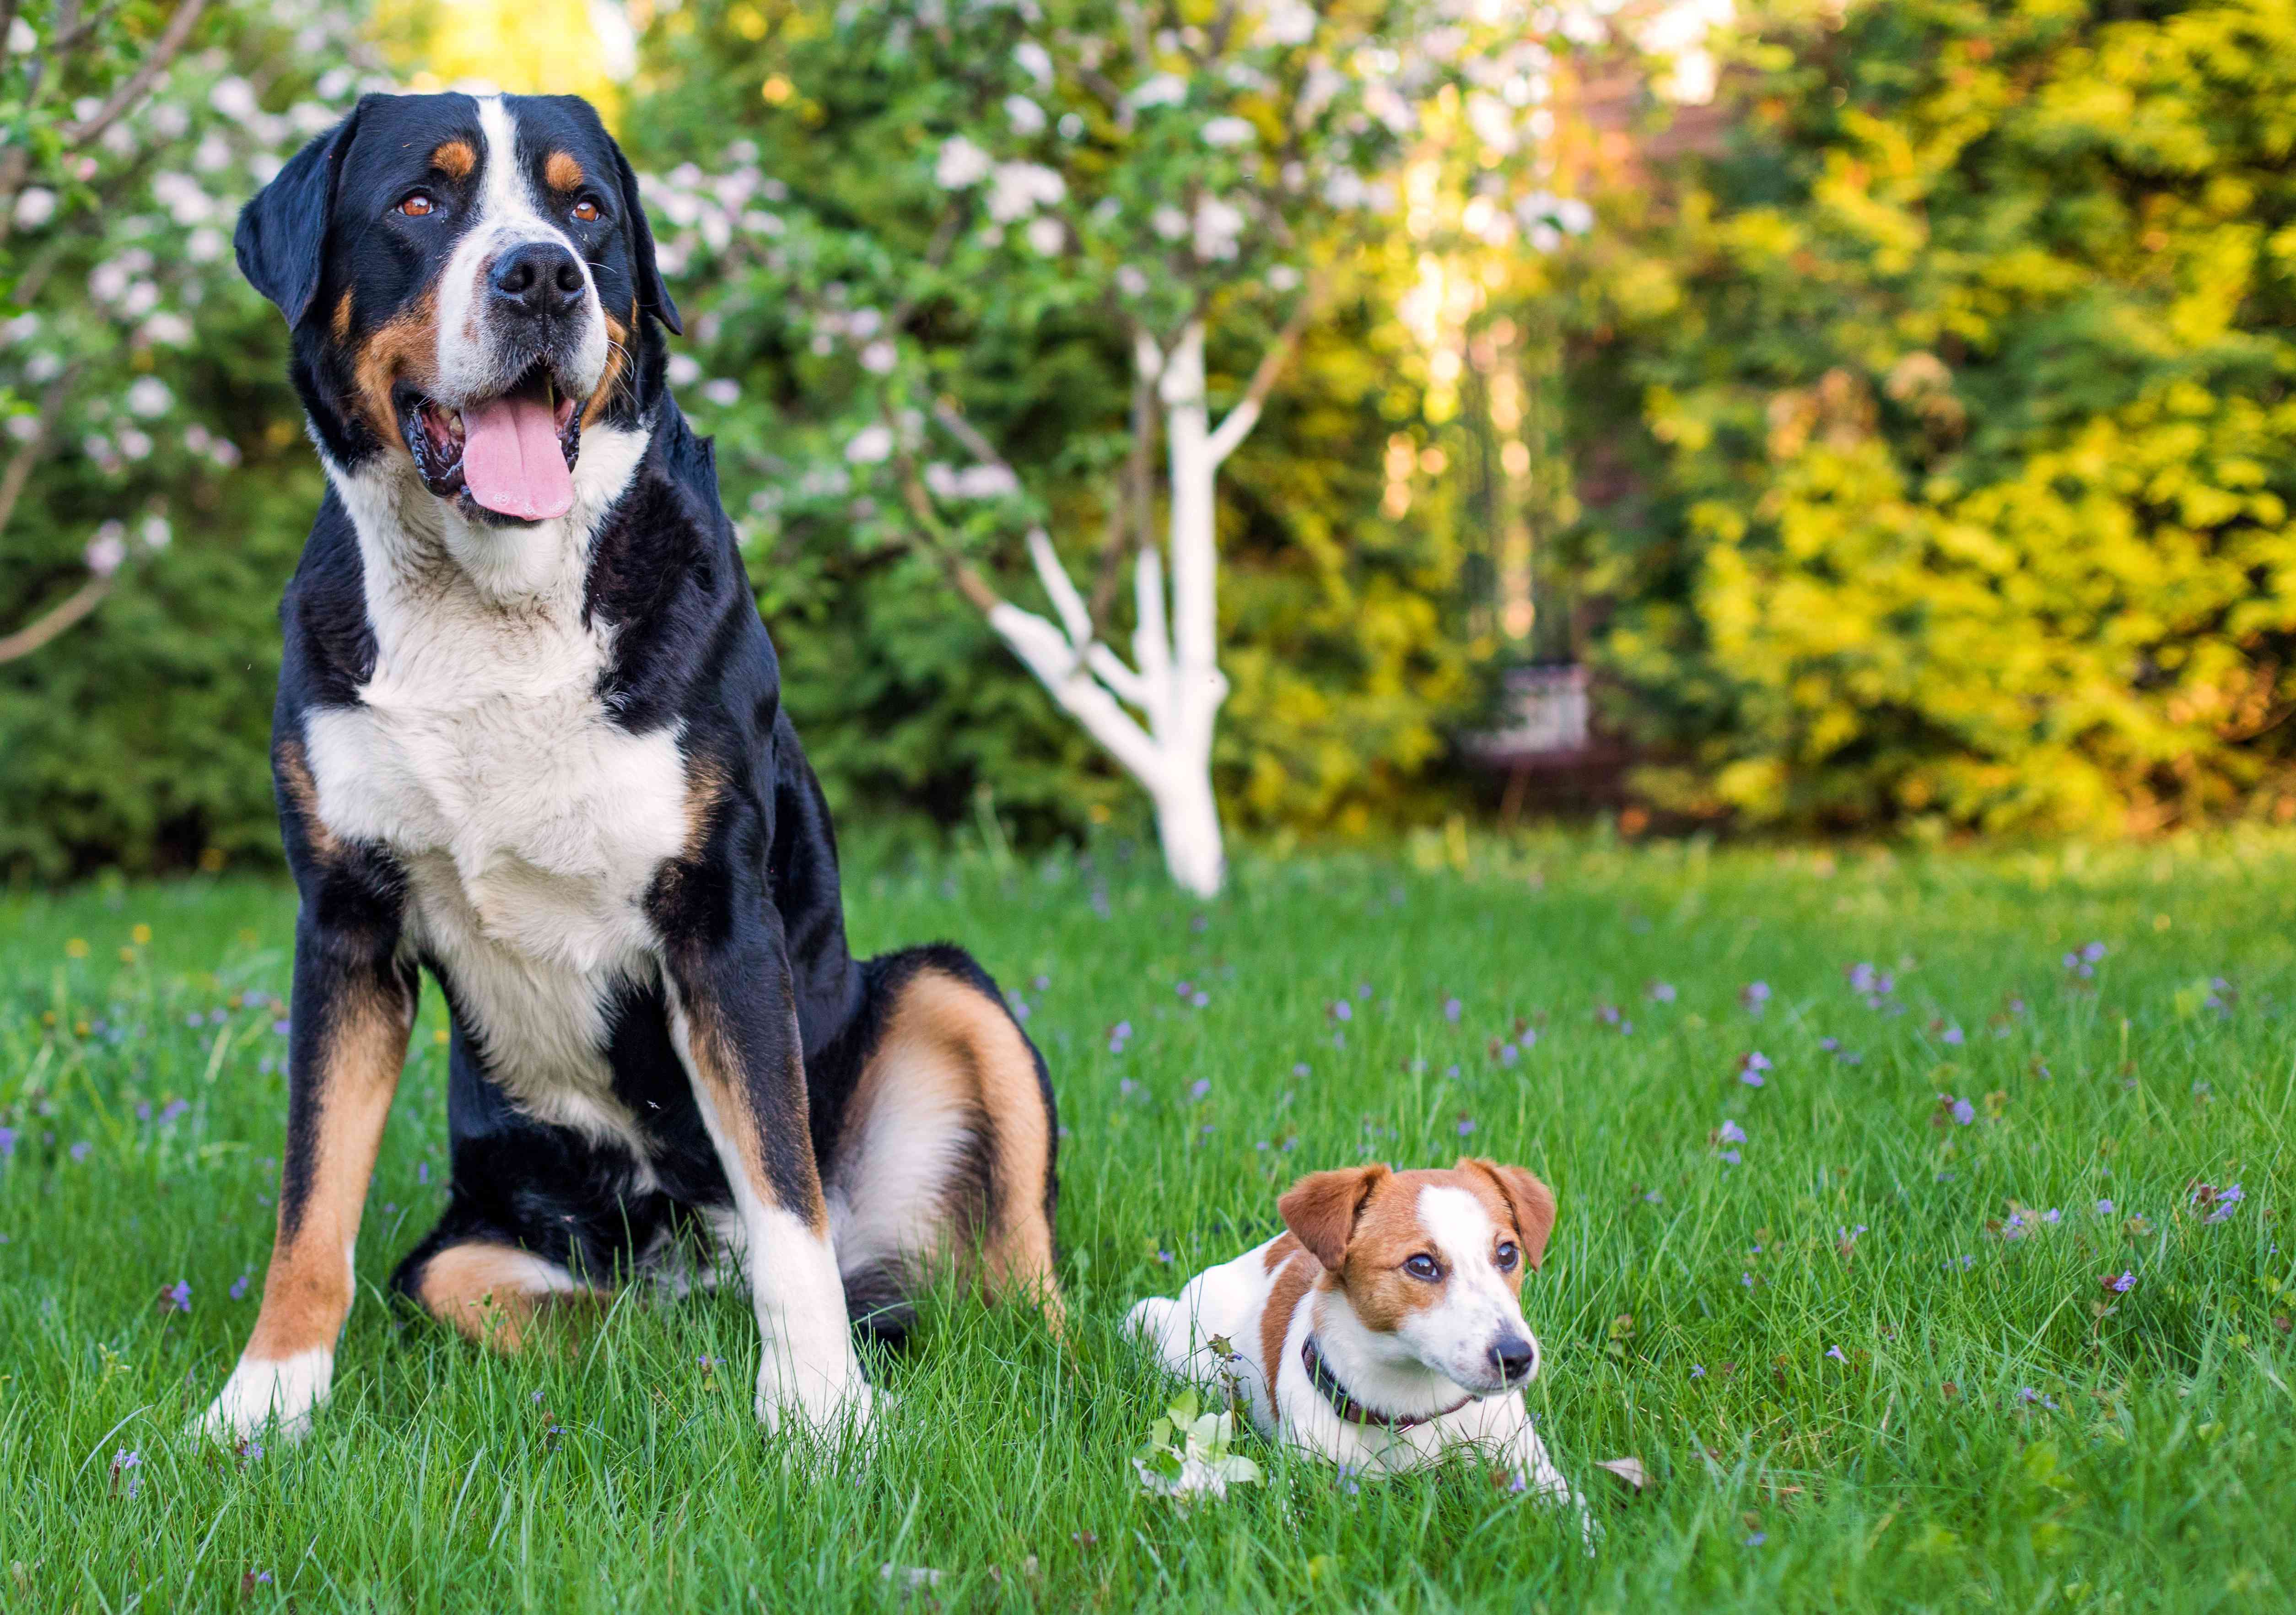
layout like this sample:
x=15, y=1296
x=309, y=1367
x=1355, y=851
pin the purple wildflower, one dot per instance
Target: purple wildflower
x=1750, y=1067
x=7, y=1143
x=176, y=1297
x=1300, y=1069
x=1730, y=1132
x=1754, y=994
x=1698, y=1370
x=239, y=1287
x=1342, y=1010
x=1835, y=1353
x=144, y=1111
x=1165, y=1257
x=1363, y=989
x=2123, y=1282
x=2220, y=1202
x=123, y=1462
x=2051, y=1215
x=1466, y=1126
x=249, y=1450
x=2105, y=1208
x=2094, y=952
x=1662, y=992
x=1952, y=1035
x=1452, y=1010
x=80, y=1151
x=1730, y=1158
x=1201, y=1086
x=1756, y=1539
x=1507, y=1052
x=1184, y=989
x=1861, y=977
x=1200, y=999
x=421, y=1171
x=2026, y=1393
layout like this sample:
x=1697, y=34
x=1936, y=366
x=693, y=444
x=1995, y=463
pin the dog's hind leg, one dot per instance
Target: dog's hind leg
x=492, y=1292
x=945, y=1150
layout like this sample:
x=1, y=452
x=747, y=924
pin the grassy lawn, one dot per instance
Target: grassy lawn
x=1867, y=1354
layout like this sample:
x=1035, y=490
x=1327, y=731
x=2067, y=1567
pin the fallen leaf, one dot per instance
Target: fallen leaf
x=1629, y=1471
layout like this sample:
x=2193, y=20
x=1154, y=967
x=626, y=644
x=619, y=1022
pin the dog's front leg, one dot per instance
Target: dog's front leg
x=1536, y=1471
x=733, y=1021
x=354, y=1003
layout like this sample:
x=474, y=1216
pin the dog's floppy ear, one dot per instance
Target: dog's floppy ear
x=281, y=239
x=1531, y=1202
x=654, y=296
x=1321, y=1209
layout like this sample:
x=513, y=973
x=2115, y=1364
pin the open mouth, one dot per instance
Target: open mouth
x=510, y=456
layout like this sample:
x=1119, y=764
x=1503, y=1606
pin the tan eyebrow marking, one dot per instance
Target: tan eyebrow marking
x=562, y=171
x=455, y=158
x=343, y=319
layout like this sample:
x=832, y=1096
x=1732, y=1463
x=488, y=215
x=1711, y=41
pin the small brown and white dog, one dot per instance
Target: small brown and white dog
x=1384, y=1327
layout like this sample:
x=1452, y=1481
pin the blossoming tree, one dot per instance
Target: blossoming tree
x=131, y=142
x=1191, y=177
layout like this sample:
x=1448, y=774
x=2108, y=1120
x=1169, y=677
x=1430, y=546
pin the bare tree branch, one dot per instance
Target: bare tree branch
x=125, y=98
x=31, y=637
x=28, y=455
x=1245, y=416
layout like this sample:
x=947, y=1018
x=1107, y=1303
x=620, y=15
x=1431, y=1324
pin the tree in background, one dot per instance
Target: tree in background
x=1173, y=179
x=1941, y=429
x=149, y=422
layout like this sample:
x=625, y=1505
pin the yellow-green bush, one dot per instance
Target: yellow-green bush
x=1945, y=427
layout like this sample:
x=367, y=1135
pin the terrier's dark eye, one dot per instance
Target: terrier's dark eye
x=1423, y=1268
x=586, y=211
x=1507, y=1256
x=417, y=205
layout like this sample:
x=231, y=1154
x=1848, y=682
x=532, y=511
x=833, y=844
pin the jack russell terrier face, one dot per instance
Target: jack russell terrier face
x=1431, y=1263
x=470, y=282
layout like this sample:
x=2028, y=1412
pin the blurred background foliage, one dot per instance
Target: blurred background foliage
x=1905, y=444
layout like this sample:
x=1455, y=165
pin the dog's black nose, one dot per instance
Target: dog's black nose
x=1515, y=1357
x=538, y=279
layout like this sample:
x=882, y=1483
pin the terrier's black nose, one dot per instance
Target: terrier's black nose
x=538, y=279
x=1515, y=1357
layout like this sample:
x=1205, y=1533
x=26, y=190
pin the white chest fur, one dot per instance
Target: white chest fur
x=529, y=825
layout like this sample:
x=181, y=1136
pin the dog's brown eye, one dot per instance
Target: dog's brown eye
x=1506, y=1256
x=586, y=211
x=1423, y=1268
x=417, y=205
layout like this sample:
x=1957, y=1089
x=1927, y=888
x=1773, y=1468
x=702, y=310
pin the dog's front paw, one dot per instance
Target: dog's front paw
x=825, y=1400
x=281, y=1394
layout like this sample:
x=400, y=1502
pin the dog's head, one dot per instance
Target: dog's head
x=470, y=283
x=1432, y=1262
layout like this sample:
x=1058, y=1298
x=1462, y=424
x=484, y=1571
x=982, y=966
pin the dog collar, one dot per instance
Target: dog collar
x=1335, y=1395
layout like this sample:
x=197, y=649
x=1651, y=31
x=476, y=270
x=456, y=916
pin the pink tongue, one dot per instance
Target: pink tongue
x=512, y=463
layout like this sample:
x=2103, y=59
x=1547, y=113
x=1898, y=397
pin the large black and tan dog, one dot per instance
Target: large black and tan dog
x=529, y=738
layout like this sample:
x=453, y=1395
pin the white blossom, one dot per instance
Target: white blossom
x=148, y=397
x=35, y=205
x=1163, y=90
x=684, y=370
x=212, y=154
x=1072, y=127
x=1047, y=236
x=235, y=98
x=23, y=328
x=1230, y=131
x=22, y=41
x=1019, y=188
x=1131, y=280
x=107, y=549
x=1169, y=222
x=1035, y=62
x=134, y=443
x=1283, y=277
x=973, y=482
x=203, y=246
x=961, y=164
x=870, y=445
x=155, y=532
x=1287, y=22
x=1026, y=117
x=723, y=391
x=879, y=358
x=1217, y=227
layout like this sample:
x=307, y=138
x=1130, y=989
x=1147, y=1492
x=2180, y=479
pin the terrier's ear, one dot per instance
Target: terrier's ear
x=1531, y=1202
x=1321, y=1209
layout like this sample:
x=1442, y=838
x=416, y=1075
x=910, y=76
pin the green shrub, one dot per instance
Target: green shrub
x=1942, y=423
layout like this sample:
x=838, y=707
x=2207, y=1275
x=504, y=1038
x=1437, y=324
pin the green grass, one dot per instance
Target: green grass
x=1990, y=1433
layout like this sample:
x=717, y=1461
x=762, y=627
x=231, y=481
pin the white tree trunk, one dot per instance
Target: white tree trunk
x=1175, y=682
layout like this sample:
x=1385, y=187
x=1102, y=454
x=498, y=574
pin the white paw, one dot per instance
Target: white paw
x=282, y=1395
x=824, y=1399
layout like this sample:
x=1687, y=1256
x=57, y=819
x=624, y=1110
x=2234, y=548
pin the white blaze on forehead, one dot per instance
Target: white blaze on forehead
x=1459, y=1225
x=506, y=214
